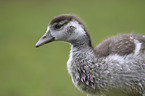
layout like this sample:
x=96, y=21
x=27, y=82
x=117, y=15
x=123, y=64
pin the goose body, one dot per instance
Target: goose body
x=116, y=67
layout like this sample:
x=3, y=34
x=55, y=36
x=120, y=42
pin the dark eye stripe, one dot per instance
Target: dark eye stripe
x=57, y=26
x=60, y=24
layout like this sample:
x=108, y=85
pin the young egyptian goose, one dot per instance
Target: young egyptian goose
x=116, y=67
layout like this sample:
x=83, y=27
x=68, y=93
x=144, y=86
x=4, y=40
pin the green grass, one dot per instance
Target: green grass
x=27, y=71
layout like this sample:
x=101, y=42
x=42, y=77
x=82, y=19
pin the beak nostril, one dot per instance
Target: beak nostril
x=44, y=37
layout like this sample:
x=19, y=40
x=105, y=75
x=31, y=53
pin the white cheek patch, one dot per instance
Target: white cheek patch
x=58, y=34
x=79, y=27
x=79, y=30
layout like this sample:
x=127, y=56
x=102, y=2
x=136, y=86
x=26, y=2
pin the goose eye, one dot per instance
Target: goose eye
x=57, y=26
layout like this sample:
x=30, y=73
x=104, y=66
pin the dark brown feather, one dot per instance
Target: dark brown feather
x=63, y=17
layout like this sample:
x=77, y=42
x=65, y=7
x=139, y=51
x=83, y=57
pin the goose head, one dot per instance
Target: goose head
x=67, y=28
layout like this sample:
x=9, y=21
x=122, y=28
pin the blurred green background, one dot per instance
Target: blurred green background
x=27, y=71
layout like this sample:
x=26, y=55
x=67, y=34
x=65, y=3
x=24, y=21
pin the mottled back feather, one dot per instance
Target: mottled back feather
x=120, y=44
